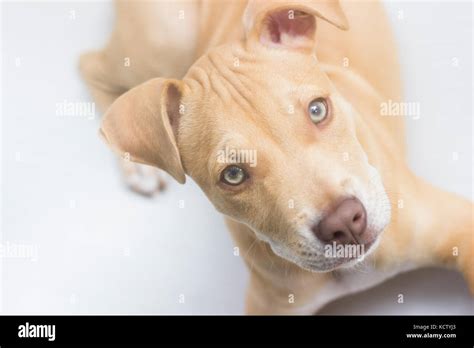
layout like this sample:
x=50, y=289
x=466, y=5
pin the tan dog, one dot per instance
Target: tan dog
x=301, y=84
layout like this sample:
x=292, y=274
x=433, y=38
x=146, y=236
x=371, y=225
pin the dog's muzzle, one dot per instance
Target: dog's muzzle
x=344, y=224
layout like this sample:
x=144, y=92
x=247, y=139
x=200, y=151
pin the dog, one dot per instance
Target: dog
x=301, y=84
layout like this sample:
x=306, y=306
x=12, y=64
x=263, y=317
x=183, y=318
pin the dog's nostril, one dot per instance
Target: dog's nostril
x=357, y=217
x=338, y=235
x=345, y=224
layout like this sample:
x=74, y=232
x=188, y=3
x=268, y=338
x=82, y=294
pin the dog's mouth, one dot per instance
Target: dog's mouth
x=345, y=235
x=340, y=237
x=328, y=257
x=350, y=254
x=340, y=256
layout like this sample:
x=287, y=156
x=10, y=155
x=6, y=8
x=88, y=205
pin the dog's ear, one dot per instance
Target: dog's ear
x=290, y=24
x=143, y=123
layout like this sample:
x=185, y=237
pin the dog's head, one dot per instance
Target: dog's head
x=267, y=136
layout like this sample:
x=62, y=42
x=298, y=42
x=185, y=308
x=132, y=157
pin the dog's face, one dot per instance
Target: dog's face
x=278, y=151
x=271, y=142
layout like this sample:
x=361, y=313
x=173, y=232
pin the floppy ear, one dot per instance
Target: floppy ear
x=143, y=123
x=291, y=23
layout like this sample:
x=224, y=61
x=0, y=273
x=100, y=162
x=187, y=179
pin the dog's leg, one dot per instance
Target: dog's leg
x=297, y=292
x=433, y=228
x=453, y=234
x=263, y=298
x=278, y=286
x=140, y=178
x=141, y=48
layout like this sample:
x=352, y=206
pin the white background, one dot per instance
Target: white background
x=103, y=249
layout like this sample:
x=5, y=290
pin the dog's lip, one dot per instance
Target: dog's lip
x=340, y=261
x=369, y=244
x=310, y=264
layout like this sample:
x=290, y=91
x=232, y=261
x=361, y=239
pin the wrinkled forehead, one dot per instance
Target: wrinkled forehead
x=244, y=100
x=231, y=79
x=231, y=73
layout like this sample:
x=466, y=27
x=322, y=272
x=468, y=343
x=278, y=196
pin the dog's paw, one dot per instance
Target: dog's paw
x=143, y=179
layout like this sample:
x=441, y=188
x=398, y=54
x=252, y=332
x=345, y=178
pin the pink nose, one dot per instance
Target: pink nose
x=345, y=224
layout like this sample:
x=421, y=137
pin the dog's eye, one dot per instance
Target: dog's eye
x=318, y=110
x=233, y=175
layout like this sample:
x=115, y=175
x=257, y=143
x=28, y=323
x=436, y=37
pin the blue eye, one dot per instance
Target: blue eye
x=233, y=175
x=318, y=110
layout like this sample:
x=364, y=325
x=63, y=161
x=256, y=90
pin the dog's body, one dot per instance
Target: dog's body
x=164, y=39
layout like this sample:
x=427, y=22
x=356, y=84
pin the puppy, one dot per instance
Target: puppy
x=190, y=86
